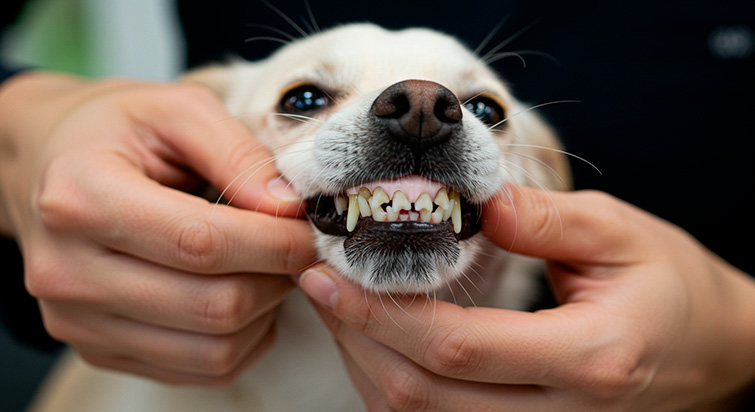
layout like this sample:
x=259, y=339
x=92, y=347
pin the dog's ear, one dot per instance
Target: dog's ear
x=536, y=142
x=216, y=78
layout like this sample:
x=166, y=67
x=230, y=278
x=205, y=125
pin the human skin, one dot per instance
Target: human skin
x=648, y=320
x=133, y=272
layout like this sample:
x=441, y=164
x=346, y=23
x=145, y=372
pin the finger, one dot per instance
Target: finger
x=113, y=336
x=136, y=367
x=194, y=303
x=568, y=227
x=128, y=212
x=385, y=377
x=476, y=344
x=195, y=125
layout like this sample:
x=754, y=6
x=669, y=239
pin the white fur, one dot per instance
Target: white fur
x=303, y=371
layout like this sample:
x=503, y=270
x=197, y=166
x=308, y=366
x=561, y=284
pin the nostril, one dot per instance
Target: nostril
x=391, y=105
x=448, y=110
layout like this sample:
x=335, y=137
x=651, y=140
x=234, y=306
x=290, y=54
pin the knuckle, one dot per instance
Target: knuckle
x=220, y=357
x=226, y=307
x=405, y=388
x=58, y=200
x=455, y=353
x=615, y=375
x=199, y=245
x=45, y=280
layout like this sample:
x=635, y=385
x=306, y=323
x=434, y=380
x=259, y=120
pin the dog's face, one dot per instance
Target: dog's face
x=395, y=140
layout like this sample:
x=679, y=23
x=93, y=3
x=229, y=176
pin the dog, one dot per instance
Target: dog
x=395, y=139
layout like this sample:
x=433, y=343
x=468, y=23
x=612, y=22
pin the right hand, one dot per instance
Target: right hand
x=136, y=275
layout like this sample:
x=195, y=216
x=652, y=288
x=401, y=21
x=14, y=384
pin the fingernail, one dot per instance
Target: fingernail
x=281, y=189
x=319, y=287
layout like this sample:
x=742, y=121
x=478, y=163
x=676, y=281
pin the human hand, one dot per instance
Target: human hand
x=649, y=320
x=136, y=275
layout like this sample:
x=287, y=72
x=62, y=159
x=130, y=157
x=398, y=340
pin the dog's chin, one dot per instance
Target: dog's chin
x=395, y=257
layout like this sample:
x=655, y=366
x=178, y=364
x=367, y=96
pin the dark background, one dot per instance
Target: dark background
x=665, y=116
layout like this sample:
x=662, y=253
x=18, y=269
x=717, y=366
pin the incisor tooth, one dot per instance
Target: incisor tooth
x=392, y=214
x=438, y=215
x=379, y=215
x=456, y=213
x=400, y=202
x=426, y=215
x=341, y=204
x=424, y=203
x=441, y=199
x=353, y=214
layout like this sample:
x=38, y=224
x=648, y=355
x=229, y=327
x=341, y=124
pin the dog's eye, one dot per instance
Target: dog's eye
x=486, y=109
x=304, y=99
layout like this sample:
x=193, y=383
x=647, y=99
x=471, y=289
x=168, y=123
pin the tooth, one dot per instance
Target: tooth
x=379, y=215
x=341, y=204
x=400, y=202
x=426, y=215
x=353, y=214
x=364, y=205
x=379, y=197
x=437, y=215
x=441, y=199
x=403, y=217
x=414, y=216
x=424, y=203
x=392, y=214
x=456, y=213
x=448, y=209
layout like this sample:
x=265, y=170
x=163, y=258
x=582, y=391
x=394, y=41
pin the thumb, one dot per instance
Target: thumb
x=585, y=227
x=195, y=123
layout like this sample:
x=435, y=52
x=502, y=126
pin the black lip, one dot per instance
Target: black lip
x=322, y=212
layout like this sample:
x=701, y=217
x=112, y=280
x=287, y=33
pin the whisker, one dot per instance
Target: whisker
x=490, y=35
x=274, y=30
x=563, y=152
x=530, y=109
x=267, y=38
x=286, y=18
x=503, y=44
x=311, y=17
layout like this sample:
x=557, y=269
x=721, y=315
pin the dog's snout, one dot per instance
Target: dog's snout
x=419, y=113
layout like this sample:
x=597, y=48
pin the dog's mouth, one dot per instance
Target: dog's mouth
x=409, y=206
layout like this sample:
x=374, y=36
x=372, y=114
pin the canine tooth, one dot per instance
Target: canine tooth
x=456, y=213
x=424, y=203
x=437, y=215
x=441, y=199
x=400, y=202
x=353, y=214
x=364, y=206
x=379, y=197
x=341, y=204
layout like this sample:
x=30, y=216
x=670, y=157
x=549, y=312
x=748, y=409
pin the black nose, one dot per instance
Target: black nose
x=418, y=113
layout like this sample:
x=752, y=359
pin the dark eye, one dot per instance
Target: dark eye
x=304, y=99
x=486, y=109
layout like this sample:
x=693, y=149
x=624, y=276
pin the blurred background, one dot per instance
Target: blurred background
x=96, y=38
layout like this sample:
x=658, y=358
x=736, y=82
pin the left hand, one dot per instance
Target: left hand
x=650, y=320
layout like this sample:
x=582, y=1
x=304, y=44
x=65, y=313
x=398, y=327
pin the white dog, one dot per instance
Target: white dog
x=395, y=139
